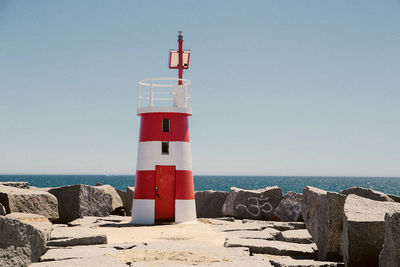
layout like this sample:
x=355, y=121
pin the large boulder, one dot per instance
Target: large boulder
x=116, y=198
x=209, y=203
x=28, y=201
x=394, y=197
x=252, y=204
x=20, y=243
x=390, y=254
x=2, y=210
x=76, y=201
x=367, y=193
x=364, y=230
x=24, y=185
x=289, y=209
x=323, y=214
x=38, y=221
x=129, y=200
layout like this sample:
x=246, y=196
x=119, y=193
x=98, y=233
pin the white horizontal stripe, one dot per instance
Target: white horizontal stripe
x=185, y=210
x=149, y=155
x=143, y=211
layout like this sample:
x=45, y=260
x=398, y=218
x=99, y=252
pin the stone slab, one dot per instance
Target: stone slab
x=75, y=236
x=290, y=262
x=301, y=236
x=307, y=251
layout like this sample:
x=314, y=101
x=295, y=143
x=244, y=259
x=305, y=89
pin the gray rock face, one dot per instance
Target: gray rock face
x=24, y=185
x=28, y=201
x=289, y=209
x=20, y=243
x=304, y=251
x=209, y=203
x=2, y=210
x=295, y=236
x=364, y=230
x=128, y=200
x=390, y=254
x=76, y=201
x=394, y=197
x=116, y=199
x=40, y=222
x=323, y=214
x=367, y=193
x=63, y=236
x=252, y=204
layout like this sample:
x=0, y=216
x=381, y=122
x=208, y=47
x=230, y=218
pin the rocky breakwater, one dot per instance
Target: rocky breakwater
x=364, y=230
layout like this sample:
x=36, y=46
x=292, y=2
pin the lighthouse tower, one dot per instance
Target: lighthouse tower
x=164, y=188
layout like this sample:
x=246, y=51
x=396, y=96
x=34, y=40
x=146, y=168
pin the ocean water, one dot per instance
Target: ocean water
x=389, y=185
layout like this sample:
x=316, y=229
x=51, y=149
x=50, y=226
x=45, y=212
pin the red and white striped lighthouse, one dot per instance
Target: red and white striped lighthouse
x=164, y=188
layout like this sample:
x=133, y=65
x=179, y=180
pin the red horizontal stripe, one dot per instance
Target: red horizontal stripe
x=151, y=127
x=145, y=182
x=184, y=188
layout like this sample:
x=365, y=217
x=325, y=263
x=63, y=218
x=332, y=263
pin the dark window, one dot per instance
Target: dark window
x=165, y=148
x=165, y=125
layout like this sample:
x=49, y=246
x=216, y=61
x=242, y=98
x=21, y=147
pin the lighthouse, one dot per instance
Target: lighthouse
x=164, y=189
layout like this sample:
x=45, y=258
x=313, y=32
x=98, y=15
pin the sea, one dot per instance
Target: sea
x=389, y=185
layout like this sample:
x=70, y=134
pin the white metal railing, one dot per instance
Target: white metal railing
x=164, y=92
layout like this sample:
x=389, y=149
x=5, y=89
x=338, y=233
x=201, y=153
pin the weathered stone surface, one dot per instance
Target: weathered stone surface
x=38, y=221
x=130, y=191
x=306, y=251
x=94, y=222
x=209, y=203
x=63, y=236
x=390, y=254
x=367, y=193
x=290, y=262
x=116, y=199
x=253, y=204
x=75, y=201
x=2, y=210
x=323, y=214
x=20, y=243
x=281, y=226
x=266, y=234
x=364, y=230
x=98, y=261
x=289, y=209
x=24, y=185
x=28, y=201
x=295, y=236
x=394, y=197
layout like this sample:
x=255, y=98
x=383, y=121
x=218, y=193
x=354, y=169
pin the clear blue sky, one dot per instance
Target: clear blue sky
x=279, y=87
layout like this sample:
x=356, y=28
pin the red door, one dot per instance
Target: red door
x=165, y=193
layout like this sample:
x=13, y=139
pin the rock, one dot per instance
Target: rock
x=367, y=193
x=24, y=185
x=281, y=226
x=94, y=222
x=290, y=262
x=390, y=254
x=129, y=199
x=2, y=210
x=38, y=221
x=295, y=236
x=20, y=243
x=116, y=199
x=63, y=236
x=252, y=204
x=323, y=215
x=394, y=197
x=266, y=234
x=305, y=251
x=364, y=230
x=209, y=203
x=289, y=209
x=98, y=261
x=76, y=201
x=28, y=201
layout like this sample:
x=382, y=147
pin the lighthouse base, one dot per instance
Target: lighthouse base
x=143, y=211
